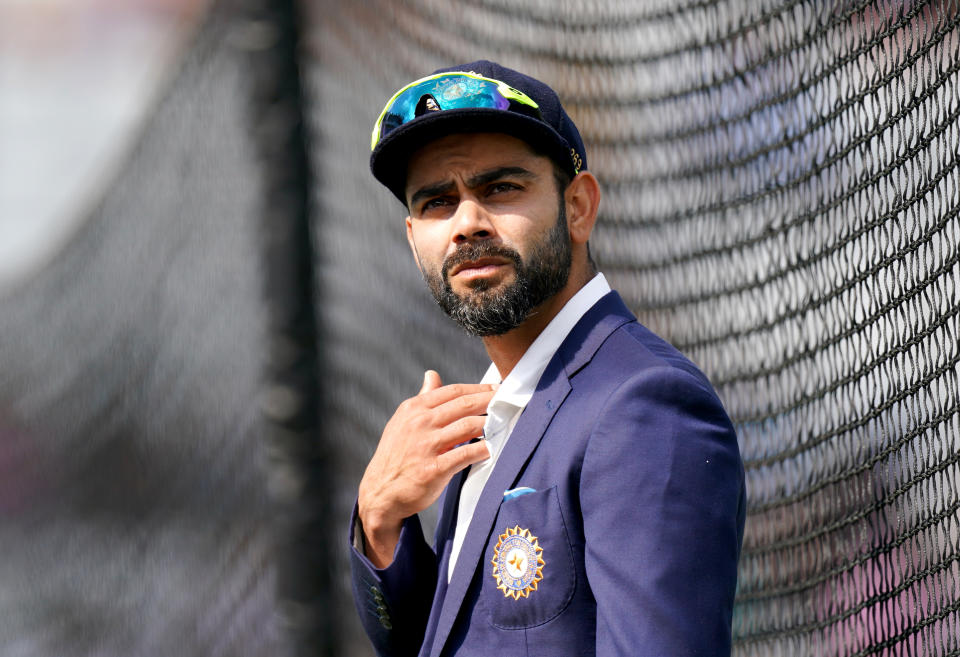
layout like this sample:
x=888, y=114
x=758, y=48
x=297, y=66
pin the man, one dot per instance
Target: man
x=592, y=488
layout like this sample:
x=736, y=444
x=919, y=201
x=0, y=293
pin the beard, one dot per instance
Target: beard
x=488, y=310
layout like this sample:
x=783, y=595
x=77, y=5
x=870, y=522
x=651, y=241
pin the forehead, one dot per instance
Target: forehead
x=463, y=154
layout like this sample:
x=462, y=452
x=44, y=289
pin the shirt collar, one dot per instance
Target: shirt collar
x=519, y=386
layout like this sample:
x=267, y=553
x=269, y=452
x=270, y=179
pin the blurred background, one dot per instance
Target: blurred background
x=208, y=309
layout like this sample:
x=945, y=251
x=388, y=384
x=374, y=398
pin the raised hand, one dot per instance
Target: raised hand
x=419, y=452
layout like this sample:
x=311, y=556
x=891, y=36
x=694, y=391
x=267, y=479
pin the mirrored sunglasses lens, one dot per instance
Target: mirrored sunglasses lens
x=444, y=93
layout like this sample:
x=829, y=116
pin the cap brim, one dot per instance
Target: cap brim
x=389, y=159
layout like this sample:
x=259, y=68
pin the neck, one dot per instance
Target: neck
x=507, y=349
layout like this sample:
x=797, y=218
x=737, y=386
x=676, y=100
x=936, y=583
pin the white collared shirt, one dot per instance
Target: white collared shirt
x=512, y=397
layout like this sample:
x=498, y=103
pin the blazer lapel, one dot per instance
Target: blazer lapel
x=577, y=349
x=446, y=521
x=443, y=538
x=524, y=439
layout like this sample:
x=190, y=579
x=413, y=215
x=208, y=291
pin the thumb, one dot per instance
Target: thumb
x=431, y=381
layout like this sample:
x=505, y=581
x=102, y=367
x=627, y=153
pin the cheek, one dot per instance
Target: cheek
x=429, y=262
x=533, y=237
x=425, y=243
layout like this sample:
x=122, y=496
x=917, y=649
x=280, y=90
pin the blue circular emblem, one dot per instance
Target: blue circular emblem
x=517, y=563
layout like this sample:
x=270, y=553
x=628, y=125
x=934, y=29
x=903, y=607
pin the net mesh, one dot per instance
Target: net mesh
x=134, y=517
x=781, y=202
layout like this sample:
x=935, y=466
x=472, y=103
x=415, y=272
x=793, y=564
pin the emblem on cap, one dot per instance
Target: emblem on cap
x=517, y=563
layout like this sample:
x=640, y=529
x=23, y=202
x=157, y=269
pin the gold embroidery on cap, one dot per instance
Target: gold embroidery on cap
x=577, y=162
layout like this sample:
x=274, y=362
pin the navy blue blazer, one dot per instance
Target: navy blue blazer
x=628, y=543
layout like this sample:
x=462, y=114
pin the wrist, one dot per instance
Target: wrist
x=381, y=532
x=377, y=527
x=375, y=516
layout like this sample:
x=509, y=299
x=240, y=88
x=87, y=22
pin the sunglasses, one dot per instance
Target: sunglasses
x=447, y=91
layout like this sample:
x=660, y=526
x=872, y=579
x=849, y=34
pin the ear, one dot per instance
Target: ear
x=583, y=202
x=413, y=246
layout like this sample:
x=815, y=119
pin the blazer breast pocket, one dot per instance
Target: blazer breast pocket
x=529, y=574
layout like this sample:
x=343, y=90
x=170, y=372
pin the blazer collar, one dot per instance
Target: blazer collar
x=574, y=353
x=608, y=314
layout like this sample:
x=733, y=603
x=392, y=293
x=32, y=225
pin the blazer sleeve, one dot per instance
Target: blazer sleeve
x=394, y=602
x=663, y=503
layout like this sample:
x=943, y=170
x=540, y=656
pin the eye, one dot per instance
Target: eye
x=502, y=187
x=434, y=204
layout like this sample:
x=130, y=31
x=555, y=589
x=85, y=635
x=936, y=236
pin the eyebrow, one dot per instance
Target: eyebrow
x=480, y=179
x=485, y=177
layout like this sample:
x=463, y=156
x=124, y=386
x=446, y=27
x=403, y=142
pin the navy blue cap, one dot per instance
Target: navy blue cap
x=555, y=136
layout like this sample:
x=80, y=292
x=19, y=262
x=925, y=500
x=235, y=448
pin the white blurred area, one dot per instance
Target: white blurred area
x=77, y=77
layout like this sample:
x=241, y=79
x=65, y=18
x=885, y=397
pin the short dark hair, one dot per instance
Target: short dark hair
x=561, y=176
x=563, y=179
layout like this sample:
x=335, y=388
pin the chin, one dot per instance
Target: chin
x=482, y=291
x=480, y=286
x=493, y=284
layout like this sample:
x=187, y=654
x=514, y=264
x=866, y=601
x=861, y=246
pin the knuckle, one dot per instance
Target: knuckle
x=439, y=464
x=430, y=469
x=450, y=460
x=468, y=428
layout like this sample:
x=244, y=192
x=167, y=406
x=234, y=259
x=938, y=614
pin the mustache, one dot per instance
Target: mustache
x=476, y=250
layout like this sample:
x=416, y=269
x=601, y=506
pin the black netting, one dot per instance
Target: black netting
x=134, y=518
x=781, y=200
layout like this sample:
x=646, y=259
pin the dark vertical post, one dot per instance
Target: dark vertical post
x=298, y=462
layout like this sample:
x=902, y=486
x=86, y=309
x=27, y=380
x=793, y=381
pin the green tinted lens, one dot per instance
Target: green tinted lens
x=444, y=92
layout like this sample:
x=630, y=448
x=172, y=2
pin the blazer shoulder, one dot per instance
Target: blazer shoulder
x=609, y=346
x=633, y=348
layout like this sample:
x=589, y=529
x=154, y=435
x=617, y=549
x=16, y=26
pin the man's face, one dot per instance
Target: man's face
x=488, y=227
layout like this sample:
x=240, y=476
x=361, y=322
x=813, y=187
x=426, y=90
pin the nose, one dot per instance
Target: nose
x=471, y=222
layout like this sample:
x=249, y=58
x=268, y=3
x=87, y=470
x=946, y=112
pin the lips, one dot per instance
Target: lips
x=478, y=263
x=479, y=266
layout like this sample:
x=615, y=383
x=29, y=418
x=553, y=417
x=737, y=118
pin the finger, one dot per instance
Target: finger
x=431, y=381
x=458, y=407
x=442, y=395
x=462, y=430
x=457, y=459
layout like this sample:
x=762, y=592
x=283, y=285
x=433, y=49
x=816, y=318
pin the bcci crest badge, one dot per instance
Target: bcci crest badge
x=517, y=564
